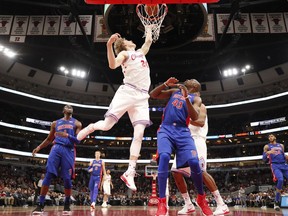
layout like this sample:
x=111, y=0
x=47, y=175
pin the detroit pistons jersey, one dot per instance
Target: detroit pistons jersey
x=199, y=131
x=279, y=156
x=136, y=70
x=67, y=126
x=176, y=110
x=97, y=168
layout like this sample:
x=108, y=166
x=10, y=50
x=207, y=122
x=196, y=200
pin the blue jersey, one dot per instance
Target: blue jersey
x=67, y=126
x=97, y=168
x=176, y=110
x=279, y=156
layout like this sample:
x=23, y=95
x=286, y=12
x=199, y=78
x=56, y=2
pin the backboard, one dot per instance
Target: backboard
x=149, y=1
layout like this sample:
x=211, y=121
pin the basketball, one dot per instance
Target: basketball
x=151, y=9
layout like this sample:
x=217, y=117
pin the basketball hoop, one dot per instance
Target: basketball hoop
x=152, y=15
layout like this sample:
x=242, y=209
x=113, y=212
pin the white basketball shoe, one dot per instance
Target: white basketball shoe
x=128, y=178
x=187, y=209
x=221, y=210
x=85, y=132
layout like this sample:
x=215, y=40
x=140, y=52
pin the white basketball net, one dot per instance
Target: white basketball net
x=152, y=20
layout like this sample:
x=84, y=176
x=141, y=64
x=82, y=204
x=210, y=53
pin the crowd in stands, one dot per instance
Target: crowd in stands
x=17, y=188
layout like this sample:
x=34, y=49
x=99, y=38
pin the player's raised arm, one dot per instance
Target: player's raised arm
x=113, y=61
x=193, y=109
x=160, y=91
x=148, y=40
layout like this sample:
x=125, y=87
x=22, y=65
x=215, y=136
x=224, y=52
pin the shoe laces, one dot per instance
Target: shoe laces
x=132, y=173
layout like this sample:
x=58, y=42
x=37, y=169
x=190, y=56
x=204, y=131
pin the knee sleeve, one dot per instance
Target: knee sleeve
x=163, y=163
x=67, y=183
x=48, y=178
x=137, y=140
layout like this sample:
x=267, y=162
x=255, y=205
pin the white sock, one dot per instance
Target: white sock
x=218, y=198
x=132, y=165
x=186, y=198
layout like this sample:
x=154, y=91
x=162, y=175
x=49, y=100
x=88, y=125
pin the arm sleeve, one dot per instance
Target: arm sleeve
x=73, y=139
x=264, y=157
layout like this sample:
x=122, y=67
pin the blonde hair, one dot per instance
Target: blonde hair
x=119, y=45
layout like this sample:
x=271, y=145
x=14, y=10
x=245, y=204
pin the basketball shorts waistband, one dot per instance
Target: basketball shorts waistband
x=135, y=87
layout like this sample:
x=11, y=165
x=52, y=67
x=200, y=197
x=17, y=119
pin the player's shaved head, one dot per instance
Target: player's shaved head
x=193, y=84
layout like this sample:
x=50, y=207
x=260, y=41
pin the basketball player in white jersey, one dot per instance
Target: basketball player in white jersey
x=199, y=131
x=131, y=97
x=106, y=185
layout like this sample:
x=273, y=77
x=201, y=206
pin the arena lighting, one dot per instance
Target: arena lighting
x=4, y=124
x=246, y=68
x=52, y=100
x=106, y=107
x=73, y=72
x=247, y=101
x=19, y=127
x=230, y=72
x=78, y=159
x=6, y=51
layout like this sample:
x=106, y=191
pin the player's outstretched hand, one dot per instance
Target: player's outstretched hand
x=113, y=38
x=171, y=82
x=35, y=151
x=183, y=89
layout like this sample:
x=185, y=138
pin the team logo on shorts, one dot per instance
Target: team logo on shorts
x=70, y=172
x=202, y=162
x=194, y=153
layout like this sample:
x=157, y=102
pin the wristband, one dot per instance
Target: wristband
x=187, y=97
x=165, y=84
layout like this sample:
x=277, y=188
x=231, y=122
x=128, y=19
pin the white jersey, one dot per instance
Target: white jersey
x=136, y=70
x=197, y=131
x=106, y=184
x=107, y=180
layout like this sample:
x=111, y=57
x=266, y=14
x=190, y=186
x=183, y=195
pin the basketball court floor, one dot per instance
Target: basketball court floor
x=130, y=211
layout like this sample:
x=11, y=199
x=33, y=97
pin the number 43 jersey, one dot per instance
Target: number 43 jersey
x=176, y=111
